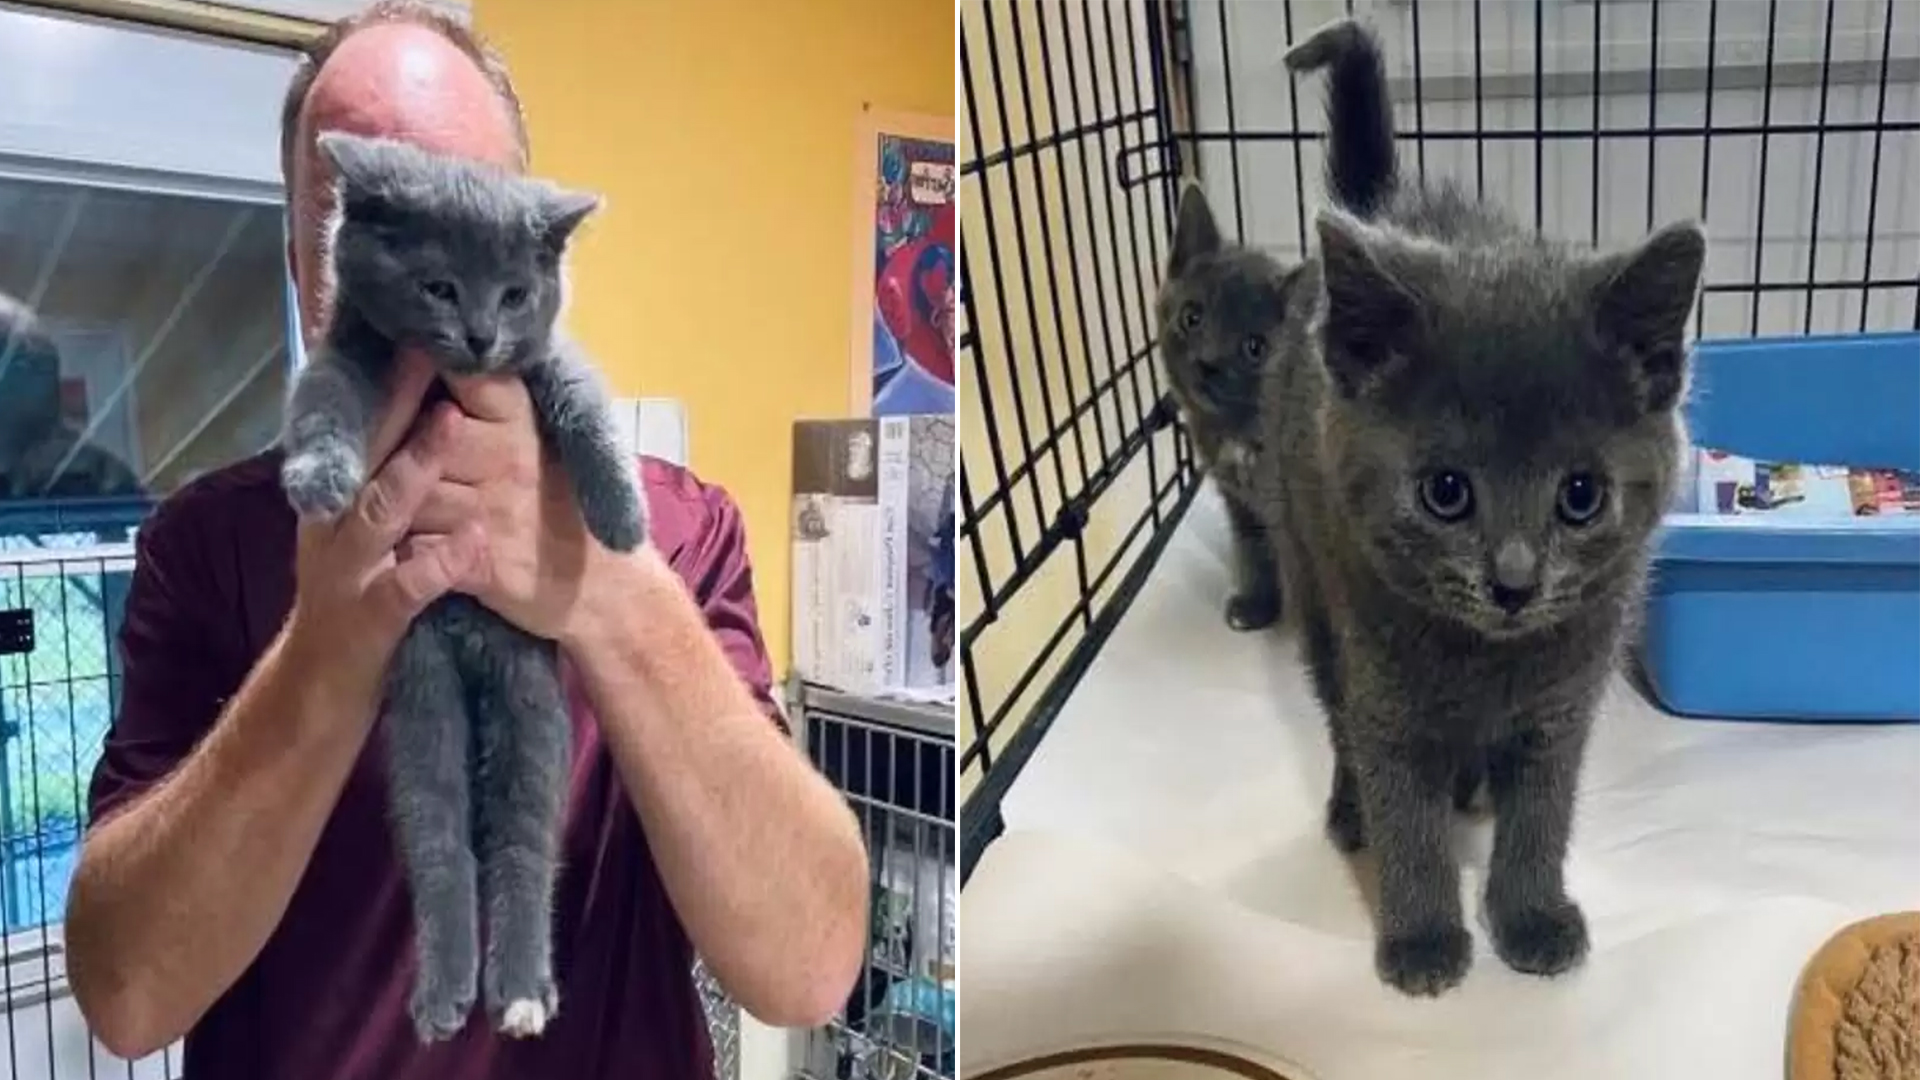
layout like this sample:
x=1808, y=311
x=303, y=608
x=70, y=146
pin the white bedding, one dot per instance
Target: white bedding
x=1164, y=878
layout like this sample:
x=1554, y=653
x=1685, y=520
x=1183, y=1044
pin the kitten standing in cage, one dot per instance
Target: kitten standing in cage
x=1470, y=433
x=464, y=261
x=1220, y=311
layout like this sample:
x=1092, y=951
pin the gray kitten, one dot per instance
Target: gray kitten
x=1471, y=433
x=464, y=261
x=1220, y=311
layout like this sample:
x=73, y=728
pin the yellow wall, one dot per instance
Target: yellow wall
x=722, y=133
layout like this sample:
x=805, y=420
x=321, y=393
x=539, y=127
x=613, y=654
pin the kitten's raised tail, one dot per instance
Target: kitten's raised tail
x=1362, y=168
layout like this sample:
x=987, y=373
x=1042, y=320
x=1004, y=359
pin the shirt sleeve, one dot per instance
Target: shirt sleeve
x=172, y=685
x=715, y=566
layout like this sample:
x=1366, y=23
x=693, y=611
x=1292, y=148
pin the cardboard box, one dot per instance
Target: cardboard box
x=873, y=545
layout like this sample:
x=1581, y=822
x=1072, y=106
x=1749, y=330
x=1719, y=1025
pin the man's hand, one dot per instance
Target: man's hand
x=361, y=579
x=496, y=476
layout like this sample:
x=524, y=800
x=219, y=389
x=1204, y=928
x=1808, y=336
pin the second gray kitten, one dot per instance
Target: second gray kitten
x=1220, y=311
x=464, y=261
x=1471, y=434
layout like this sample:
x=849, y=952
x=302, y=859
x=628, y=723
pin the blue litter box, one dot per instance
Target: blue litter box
x=1770, y=616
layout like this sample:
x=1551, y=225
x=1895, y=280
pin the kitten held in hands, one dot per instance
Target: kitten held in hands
x=1473, y=433
x=1220, y=311
x=463, y=262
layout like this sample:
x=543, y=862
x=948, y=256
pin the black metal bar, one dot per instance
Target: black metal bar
x=1046, y=243
x=1593, y=208
x=983, y=390
x=1086, y=188
x=1760, y=202
x=1706, y=144
x=980, y=739
x=1000, y=290
x=1066, y=216
x=1801, y=286
x=1838, y=127
x=1479, y=114
x=1233, y=148
x=1109, y=384
x=1419, y=97
x=1819, y=163
x=969, y=519
x=980, y=816
x=1540, y=115
x=1873, y=176
x=1141, y=296
x=1299, y=167
x=1045, y=142
x=1653, y=109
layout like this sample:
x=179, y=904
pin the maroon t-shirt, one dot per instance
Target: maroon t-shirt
x=327, y=997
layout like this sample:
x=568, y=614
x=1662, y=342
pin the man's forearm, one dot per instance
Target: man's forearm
x=761, y=857
x=177, y=894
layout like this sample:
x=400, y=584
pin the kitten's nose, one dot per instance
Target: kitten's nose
x=1511, y=600
x=1516, y=575
x=480, y=344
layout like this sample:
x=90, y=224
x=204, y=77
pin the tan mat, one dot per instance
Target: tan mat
x=1856, y=1011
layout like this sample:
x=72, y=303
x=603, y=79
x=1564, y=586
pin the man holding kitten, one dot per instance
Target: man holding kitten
x=238, y=885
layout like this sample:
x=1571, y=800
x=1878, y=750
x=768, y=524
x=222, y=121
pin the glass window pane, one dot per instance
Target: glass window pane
x=145, y=343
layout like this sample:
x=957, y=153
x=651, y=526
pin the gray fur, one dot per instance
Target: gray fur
x=478, y=735
x=1444, y=337
x=1220, y=310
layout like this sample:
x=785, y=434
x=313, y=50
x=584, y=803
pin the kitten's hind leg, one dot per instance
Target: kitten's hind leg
x=426, y=729
x=1255, y=603
x=1345, y=822
x=525, y=743
x=573, y=412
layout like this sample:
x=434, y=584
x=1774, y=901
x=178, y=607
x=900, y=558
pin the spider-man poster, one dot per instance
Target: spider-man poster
x=914, y=276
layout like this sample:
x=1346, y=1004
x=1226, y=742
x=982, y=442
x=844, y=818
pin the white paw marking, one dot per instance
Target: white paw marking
x=523, y=1018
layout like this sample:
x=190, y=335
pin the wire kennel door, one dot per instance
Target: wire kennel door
x=894, y=763
x=1791, y=127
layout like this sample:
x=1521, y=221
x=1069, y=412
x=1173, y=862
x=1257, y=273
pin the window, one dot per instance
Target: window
x=143, y=341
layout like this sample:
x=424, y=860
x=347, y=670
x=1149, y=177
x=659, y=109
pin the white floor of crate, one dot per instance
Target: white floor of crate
x=1163, y=877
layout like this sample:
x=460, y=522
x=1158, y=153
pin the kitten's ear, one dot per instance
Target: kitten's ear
x=561, y=212
x=1369, y=312
x=354, y=159
x=1641, y=307
x=1195, y=235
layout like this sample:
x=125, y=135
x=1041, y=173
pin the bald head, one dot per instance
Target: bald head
x=403, y=72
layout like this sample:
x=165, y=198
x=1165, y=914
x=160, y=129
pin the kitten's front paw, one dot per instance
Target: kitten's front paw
x=321, y=483
x=1425, y=963
x=439, y=1008
x=1545, y=940
x=1253, y=611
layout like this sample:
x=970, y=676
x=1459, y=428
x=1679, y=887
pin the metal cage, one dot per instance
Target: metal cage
x=894, y=763
x=1788, y=126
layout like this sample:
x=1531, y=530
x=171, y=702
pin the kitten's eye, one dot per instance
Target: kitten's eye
x=1447, y=495
x=438, y=289
x=1254, y=347
x=1190, y=317
x=514, y=298
x=1582, y=496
